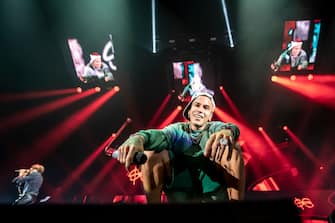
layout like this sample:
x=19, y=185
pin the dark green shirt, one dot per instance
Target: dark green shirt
x=181, y=141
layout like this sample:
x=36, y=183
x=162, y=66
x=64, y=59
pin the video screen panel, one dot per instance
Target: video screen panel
x=188, y=79
x=94, y=68
x=299, y=47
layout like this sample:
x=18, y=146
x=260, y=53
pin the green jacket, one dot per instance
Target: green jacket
x=180, y=141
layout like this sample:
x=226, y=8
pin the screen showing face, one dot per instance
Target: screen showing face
x=299, y=46
x=188, y=78
x=98, y=69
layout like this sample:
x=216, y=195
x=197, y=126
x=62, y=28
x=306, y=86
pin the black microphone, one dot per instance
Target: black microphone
x=139, y=157
x=21, y=170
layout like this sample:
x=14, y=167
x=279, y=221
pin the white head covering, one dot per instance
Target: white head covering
x=296, y=43
x=197, y=94
x=93, y=57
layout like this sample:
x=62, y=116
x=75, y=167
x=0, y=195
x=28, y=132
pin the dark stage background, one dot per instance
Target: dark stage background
x=35, y=57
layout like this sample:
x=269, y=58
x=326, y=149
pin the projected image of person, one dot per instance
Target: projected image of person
x=198, y=160
x=295, y=56
x=96, y=69
x=195, y=84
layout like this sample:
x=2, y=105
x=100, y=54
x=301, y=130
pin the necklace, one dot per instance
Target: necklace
x=196, y=136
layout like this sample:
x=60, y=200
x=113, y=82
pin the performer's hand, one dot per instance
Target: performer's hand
x=128, y=149
x=230, y=158
x=218, y=143
x=22, y=172
x=274, y=67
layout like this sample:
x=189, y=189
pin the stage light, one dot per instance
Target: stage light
x=293, y=77
x=274, y=78
x=153, y=23
x=221, y=87
x=79, y=90
x=260, y=129
x=285, y=127
x=116, y=88
x=97, y=89
x=213, y=38
x=294, y=172
x=179, y=108
x=241, y=142
x=231, y=42
x=192, y=40
x=310, y=77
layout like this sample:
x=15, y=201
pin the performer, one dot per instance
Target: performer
x=295, y=56
x=199, y=160
x=28, y=183
x=97, y=70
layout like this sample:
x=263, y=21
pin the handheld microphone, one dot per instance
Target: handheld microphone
x=21, y=170
x=139, y=157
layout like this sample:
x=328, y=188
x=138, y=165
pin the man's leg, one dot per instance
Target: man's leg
x=26, y=199
x=155, y=172
x=233, y=164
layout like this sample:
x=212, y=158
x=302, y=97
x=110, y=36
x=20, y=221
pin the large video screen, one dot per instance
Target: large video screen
x=299, y=47
x=94, y=68
x=189, y=79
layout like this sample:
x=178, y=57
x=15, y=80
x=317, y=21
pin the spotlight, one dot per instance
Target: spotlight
x=241, y=142
x=179, y=107
x=192, y=40
x=293, y=77
x=116, y=88
x=129, y=120
x=260, y=129
x=213, y=38
x=97, y=89
x=310, y=77
x=294, y=172
x=274, y=78
x=79, y=90
x=221, y=87
x=285, y=128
